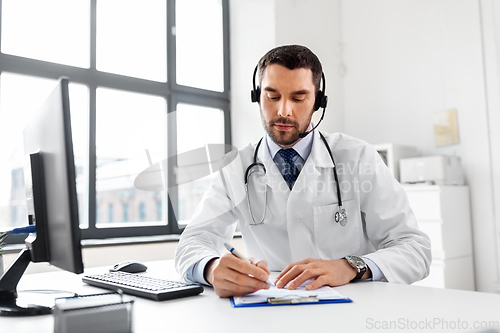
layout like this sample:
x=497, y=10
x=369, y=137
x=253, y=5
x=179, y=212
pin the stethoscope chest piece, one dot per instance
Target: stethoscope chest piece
x=341, y=216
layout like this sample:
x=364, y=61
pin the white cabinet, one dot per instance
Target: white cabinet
x=443, y=212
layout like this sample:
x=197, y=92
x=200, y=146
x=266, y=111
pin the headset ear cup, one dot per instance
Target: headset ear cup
x=318, y=102
x=324, y=102
x=255, y=94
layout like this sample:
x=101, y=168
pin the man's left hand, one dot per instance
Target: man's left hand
x=324, y=272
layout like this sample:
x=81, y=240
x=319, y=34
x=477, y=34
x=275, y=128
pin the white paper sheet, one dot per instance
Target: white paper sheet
x=261, y=296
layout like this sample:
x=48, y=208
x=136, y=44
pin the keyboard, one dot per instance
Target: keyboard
x=143, y=286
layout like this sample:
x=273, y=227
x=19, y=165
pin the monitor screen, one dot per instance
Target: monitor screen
x=49, y=135
x=51, y=198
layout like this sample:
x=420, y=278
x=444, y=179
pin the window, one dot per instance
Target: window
x=110, y=213
x=134, y=92
x=142, y=211
x=125, y=212
x=127, y=125
x=159, y=210
x=36, y=29
x=195, y=66
x=209, y=127
x=138, y=49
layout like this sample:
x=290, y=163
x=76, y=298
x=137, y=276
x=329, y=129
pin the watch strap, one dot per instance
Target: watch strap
x=360, y=274
x=360, y=268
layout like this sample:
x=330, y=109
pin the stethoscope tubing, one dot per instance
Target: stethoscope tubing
x=248, y=173
x=340, y=215
x=334, y=168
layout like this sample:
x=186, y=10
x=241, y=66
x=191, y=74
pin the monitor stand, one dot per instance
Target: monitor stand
x=9, y=305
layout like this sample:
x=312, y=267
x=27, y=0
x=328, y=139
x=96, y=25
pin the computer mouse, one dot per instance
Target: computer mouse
x=129, y=266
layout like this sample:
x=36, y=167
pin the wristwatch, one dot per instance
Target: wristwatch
x=358, y=264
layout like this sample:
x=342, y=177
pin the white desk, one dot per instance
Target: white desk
x=409, y=308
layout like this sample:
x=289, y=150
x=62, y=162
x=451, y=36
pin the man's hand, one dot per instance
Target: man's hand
x=230, y=276
x=324, y=272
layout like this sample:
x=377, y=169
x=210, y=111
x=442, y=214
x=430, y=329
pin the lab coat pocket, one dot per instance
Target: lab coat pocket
x=334, y=241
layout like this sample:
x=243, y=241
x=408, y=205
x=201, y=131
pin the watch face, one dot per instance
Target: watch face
x=356, y=261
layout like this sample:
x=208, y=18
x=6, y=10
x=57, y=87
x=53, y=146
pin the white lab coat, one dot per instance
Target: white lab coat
x=300, y=223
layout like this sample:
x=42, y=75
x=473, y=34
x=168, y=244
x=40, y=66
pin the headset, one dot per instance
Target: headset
x=320, y=101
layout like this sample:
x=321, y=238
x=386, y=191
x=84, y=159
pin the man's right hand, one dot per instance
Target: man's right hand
x=230, y=276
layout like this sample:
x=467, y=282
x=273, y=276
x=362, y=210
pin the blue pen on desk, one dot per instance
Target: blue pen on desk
x=235, y=252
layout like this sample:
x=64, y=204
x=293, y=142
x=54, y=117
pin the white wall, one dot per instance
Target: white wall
x=490, y=10
x=407, y=59
x=251, y=35
x=316, y=24
x=256, y=26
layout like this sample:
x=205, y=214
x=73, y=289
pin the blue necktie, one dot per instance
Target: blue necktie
x=289, y=172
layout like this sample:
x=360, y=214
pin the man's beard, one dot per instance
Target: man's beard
x=285, y=138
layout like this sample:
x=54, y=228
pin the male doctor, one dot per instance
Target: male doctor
x=296, y=217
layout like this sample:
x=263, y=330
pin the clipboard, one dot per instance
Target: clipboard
x=300, y=296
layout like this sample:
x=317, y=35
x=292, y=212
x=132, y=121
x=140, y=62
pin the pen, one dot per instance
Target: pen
x=235, y=252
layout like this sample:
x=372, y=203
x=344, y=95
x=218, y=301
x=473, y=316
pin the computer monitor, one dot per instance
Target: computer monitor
x=51, y=195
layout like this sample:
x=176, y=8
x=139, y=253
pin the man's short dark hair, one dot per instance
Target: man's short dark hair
x=291, y=57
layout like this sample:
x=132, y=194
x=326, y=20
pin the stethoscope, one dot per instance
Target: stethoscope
x=340, y=215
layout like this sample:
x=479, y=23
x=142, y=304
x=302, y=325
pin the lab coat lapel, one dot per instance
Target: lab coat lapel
x=274, y=178
x=318, y=158
x=300, y=221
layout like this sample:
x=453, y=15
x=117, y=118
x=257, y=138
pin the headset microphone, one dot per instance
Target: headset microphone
x=303, y=135
x=320, y=102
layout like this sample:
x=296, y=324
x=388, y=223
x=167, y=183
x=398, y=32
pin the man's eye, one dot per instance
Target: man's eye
x=274, y=98
x=298, y=99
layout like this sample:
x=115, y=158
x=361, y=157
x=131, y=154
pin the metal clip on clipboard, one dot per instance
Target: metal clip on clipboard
x=294, y=300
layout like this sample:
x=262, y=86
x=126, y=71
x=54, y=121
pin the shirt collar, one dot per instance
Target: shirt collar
x=303, y=147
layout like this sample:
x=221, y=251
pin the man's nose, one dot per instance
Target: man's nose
x=285, y=109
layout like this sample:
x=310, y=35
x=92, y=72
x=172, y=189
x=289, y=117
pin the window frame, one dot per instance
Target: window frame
x=169, y=90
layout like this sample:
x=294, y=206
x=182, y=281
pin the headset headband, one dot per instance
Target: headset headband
x=320, y=102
